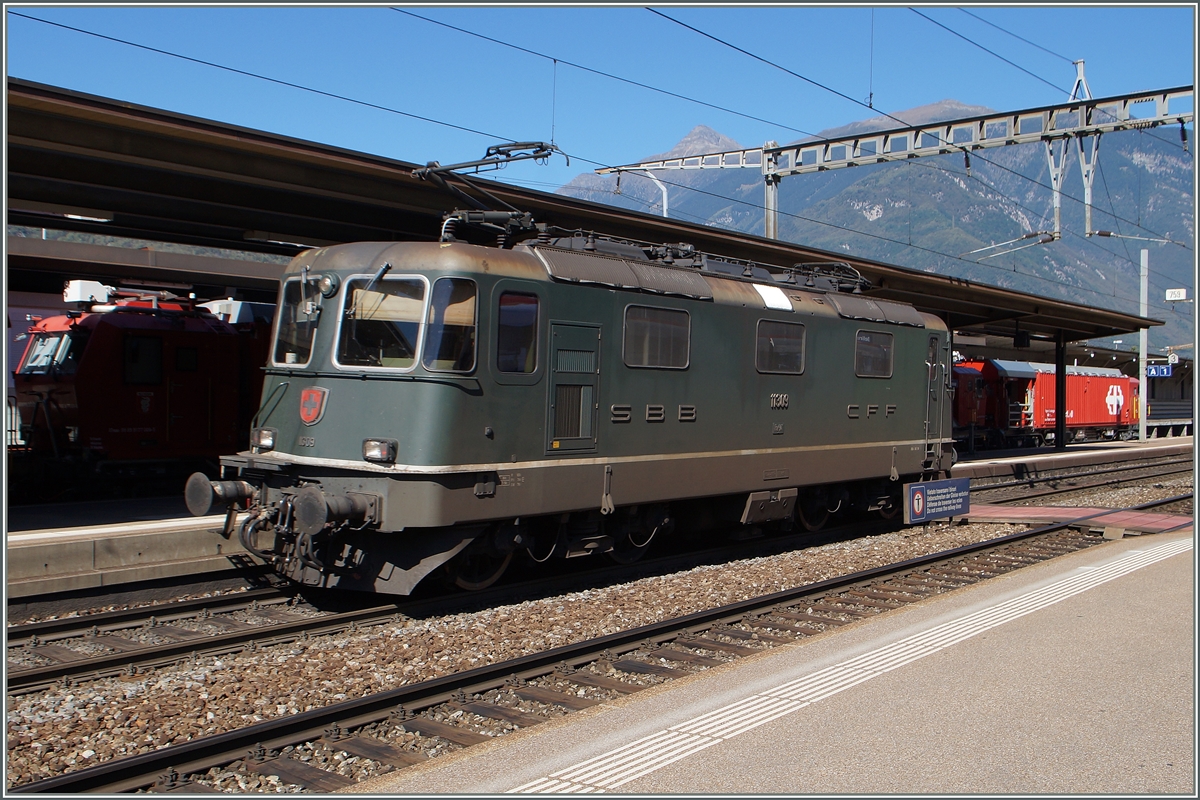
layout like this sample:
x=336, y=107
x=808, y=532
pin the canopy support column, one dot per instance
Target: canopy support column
x=1060, y=390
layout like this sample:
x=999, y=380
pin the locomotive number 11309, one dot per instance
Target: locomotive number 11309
x=779, y=400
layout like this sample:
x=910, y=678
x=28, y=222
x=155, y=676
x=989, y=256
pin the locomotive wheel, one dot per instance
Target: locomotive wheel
x=890, y=511
x=812, y=513
x=626, y=550
x=478, y=567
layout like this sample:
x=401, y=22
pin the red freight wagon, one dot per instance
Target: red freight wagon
x=1012, y=403
x=145, y=385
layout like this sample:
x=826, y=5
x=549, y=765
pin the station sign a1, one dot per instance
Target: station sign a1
x=929, y=500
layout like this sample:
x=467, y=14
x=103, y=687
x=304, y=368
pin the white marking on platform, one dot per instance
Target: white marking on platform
x=646, y=755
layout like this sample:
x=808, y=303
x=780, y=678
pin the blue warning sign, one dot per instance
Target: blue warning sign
x=936, y=500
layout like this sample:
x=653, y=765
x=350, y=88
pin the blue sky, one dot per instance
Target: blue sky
x=473, y=93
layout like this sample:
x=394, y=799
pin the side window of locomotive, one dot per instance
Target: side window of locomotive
x=780, y=347
x=516, y=335
x=381, y=323
x=143, y=360
x=873, y=354
x=450, y=331
x=298, y=314
x=657, y=337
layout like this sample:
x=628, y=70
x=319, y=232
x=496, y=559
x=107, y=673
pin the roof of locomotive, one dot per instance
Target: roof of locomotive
x=620, y=268
x=131, y=316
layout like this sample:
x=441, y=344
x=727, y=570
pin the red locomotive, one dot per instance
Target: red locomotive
x=136, y=385
x=1012, y=403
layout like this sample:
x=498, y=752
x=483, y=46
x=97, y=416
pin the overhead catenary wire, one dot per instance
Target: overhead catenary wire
x=603, y=74
x=465, y=129
x=493, y=136
x=258, y=76
x=1015, y=36
x=819, y=85
x=986, y=50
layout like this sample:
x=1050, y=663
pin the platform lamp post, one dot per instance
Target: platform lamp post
x=649, y=175
x=1143, y=335
x=1143, y=383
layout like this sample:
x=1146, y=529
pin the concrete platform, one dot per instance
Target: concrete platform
x=1068, y=677
x=70, y=559
x=1096, y=519
x=1031, y=463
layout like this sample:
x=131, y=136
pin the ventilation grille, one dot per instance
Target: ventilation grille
x=572, y=412
x=576, y=361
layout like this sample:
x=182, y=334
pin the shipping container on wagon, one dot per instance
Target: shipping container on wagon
x=1010, y=403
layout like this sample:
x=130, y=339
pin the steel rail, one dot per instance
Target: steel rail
x=1110, y=482
x=1045, y=477
x=139, y=771
x=21, y=681
x=16, y=635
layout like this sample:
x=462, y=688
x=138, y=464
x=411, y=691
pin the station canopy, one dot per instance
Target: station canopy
x=84, y=163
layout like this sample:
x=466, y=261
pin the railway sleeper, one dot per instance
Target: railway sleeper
x=810, y=618
x=178, y=634
x=781, y=626
x=685, y=657
x=752, y=636
x=512, y=716
x=635, y=667
x=119, y=643
x=289, y=770
x=859, y=598
x=835, y=607
x=442, y=730
x=584, y=678
x=542, y=694
x=374, y=749
x=902, y=594
x=705, y=643
x=58, y=653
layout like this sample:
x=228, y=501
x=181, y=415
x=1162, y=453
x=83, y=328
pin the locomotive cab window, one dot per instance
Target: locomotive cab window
x=657, y=337
x=381, y=323
x=516, y=335
x=298, y=313
x=873, y=354
x=780, y=347
x=450, y=334
x=57, y=352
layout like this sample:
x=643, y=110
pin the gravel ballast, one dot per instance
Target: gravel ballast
x=64, y=729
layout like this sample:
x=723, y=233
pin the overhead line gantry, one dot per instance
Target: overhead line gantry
x=1081, y=119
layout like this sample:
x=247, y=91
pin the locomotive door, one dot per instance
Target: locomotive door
x=574, y=388
x=189, y=397
x=933, y=403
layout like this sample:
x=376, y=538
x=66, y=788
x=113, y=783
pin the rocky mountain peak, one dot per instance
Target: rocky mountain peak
x=701, y=139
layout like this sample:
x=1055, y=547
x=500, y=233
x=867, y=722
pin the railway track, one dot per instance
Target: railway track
x=1052, y=483
x=559, y=678
x=133, y=641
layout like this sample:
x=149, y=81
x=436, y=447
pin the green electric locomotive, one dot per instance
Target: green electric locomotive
x=443, y=405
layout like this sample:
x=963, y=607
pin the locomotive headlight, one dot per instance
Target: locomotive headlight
x=262, y=440
x=380, y=450
x=327, y=285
